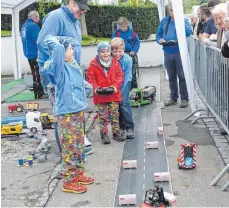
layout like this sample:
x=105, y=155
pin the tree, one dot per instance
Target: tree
x=44, y=4
x=188, y=4
x=83, y=25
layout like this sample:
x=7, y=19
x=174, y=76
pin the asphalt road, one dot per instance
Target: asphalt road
x=147, y=120
x=137, y=181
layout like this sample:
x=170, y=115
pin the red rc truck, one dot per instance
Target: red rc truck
x=17, y=107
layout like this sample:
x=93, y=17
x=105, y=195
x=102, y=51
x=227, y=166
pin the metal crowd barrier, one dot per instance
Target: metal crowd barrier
x=211, y=78
x=210, y=72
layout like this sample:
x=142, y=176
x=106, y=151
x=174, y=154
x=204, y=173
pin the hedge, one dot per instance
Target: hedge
x=99, y=20
x=6, y=22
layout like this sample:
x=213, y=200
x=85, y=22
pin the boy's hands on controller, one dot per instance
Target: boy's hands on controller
x=96, y=90
x=115, y=89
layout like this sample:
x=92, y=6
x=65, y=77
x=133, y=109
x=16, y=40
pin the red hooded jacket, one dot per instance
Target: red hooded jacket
x=97, y=78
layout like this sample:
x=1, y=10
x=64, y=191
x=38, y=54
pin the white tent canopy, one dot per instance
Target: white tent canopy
x=13, y=7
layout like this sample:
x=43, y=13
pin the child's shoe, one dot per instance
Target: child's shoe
x=105, y=139
x=74, y=188
x=118, y=138
x=84, y=180
x=130, y=134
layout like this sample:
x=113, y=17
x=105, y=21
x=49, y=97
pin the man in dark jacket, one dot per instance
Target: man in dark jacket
x=29, y=35
x=210, y=29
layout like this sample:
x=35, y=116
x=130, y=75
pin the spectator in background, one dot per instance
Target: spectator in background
x=132, y=45
x=220, y=15
x=225, y=47
x=200, y=21
x=29, y=35
x=205, y=15
x=167, y=32
x=194, y=21
x=210, y=30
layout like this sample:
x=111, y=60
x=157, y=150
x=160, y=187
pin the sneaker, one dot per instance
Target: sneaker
x=170, y=102
x=105, y=139
x=84, y=180
x=74, y=188
x=123, y=133
x=184, y=104
x=118, y=138
x=86, y=141
x=44, y=96
x=88, y=150
x=130, y=134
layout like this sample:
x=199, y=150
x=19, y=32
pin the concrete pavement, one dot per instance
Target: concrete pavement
x=24, y=187
x=192, y=187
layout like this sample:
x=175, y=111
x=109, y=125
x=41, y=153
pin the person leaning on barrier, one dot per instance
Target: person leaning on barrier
x=225, y=46
x=210, y=30
x=204, y=15
x=200, y=21
x=167, y=36
x=220, y=14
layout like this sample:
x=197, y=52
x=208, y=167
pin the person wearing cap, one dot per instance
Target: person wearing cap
x=105, y=72
x=64, y=72
x=210, y=30
x=29, y=35
x=61, y=22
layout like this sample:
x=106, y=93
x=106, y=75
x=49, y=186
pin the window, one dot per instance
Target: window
x=36, y=120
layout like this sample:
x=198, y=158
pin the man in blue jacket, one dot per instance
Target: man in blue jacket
x=62, y=22
x=29, y=35
x=166, y=36
x=132, y=45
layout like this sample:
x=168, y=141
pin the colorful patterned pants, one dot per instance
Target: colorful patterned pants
x=71, y=133
x=108, y=112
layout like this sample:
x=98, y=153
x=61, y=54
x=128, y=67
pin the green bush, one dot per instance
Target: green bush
x=144, y=19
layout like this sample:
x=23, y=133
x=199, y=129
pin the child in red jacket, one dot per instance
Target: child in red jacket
x=106, y=77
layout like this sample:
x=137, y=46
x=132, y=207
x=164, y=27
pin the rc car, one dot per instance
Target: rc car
x=143, y=96
x=154, y=198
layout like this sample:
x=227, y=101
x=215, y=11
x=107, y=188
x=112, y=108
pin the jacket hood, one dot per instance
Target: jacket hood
x=96, y=62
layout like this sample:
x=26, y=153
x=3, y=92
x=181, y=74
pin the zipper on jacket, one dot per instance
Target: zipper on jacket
x=73, y=97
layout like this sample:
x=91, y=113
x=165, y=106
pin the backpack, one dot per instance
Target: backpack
x=132, y=37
